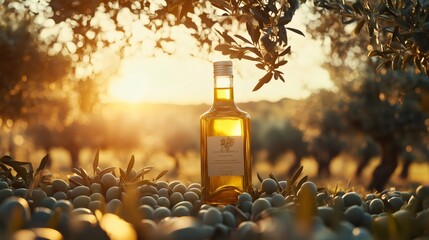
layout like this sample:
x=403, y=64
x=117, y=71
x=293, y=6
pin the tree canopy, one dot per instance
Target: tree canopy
x=253, y=30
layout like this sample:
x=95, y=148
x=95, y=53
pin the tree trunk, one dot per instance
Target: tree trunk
x=74, y=156
x=388, y=164
x=362, y=164
x=11, y=147
x=296, y=164
x=406, y=167
x=323, y=165
x=176, y=169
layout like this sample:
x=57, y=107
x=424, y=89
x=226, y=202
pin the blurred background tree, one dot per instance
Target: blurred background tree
x=280, y=140
x=30, y=77
x=387, y=106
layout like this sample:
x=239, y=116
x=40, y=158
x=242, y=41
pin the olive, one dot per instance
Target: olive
x=246, y=206
x=163, y=192
x=81, y=190
x=283, y=184
x=146, y=211
x=354, y=215
x=423, y=220
x=277, y=200
x=360, y=233
x=14, y=211
x=352, y=198
x=247, y=230
x=65, y=205
x=175, y=198
x=108, y=180
x=197, y=191
x=114, y=206
x=161, y=213
x=59, y=185
x=186, y=204
x=321, y=198
x=81, y=201
x=396, y=203
x=212, y=217
x=327, y=214
x=60, y=196
x=3, y=185
x=6, y=193
x=48, y=190
x=370, y=196
x=96, y=188
x=161, y=184
x=172, y=184
x=163, y=202
x=148, y=200
x=148, y=190
x=376, y=206
x=229, y=219
x=180, y=188
x=260, y=205
x=422, y=192
x=194, y=185
x=48, y=202
x=40, y=217
x=113, y=193
x=96, y=205
x=181, y=211
x=269, y=185
x=97, y=197
x=75, y=181
x=244, y=197
x=190, y=196
x=19, y=192
x=309, y=187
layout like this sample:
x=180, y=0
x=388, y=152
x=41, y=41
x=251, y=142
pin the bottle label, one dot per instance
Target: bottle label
x=225, y=156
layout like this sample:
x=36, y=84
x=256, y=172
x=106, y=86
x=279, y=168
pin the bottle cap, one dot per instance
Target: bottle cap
x=222, y=68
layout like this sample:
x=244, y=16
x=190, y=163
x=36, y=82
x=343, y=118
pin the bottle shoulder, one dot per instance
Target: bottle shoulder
x=225, y=112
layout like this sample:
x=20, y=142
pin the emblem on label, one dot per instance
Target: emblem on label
x=225, y=156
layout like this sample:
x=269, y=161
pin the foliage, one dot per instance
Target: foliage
x=279, y=140
x=28, y=73
x=266, y=41
x=127, y=178
x=398, y=29
x=251, y=30
x=294, y=183
x=21, y=174
x=388, y=107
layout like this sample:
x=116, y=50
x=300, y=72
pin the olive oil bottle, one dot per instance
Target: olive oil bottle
x=225, y=143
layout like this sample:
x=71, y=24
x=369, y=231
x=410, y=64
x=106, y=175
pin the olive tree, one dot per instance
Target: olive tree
x=329, y=143
x=367, y=150
x=252, y=30
x=388, y=107
x=279, y=140
x=397, y=29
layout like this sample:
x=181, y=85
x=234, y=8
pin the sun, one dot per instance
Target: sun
x=130, y=84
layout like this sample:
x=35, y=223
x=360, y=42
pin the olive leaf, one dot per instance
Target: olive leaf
x=95, y=162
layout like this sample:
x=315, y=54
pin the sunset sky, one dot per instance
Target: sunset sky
x=186, y=80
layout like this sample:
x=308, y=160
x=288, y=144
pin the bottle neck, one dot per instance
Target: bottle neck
x=223, y=91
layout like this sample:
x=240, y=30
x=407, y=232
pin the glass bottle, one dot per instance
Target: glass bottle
x=225, y=143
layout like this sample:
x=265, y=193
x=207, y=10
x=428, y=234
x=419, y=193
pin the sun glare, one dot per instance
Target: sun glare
x=129, y=85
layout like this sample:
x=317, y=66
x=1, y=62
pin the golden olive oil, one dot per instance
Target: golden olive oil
x=225, y=143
